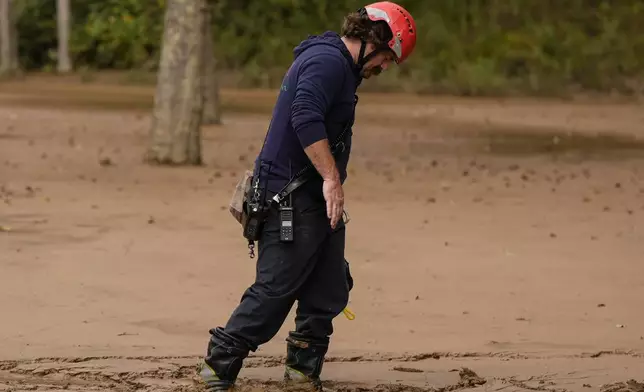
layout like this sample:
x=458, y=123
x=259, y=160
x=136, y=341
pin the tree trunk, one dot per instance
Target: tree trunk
x=63, y=15
x=8, y=39
x=14, y=63
x=175, y=132
x=212, y=105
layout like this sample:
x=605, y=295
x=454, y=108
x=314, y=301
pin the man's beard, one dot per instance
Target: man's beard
x=367, y=73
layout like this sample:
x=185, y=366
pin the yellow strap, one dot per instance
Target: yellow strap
x=349, y=314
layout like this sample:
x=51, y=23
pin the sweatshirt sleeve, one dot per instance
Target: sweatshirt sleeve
x=320, y=79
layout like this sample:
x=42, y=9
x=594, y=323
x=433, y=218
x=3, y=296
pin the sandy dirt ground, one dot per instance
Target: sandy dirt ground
x=495, y=245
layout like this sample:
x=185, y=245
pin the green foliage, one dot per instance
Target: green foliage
x=119, y=34
x=468, y=47
x=116, y=34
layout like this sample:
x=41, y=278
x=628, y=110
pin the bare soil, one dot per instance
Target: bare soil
x=494, y=244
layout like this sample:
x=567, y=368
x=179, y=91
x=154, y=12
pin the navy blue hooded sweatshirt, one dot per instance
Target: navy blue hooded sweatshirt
x=316, y=101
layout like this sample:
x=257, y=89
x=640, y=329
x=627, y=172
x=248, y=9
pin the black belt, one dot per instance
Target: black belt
x=305, y=175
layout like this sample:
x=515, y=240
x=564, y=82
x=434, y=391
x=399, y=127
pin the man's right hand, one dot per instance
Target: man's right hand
x=334, y=196
x=320, y=155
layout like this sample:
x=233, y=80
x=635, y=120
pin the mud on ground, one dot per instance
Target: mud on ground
x=503, y=237
x=433, y=374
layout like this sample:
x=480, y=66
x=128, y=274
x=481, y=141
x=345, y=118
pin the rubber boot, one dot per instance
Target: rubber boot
x=304, y=360
x=223, y=361
x=212, y=380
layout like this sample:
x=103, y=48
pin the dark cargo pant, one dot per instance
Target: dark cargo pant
x=311, y=270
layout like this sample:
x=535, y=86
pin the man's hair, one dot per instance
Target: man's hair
x=361, y=27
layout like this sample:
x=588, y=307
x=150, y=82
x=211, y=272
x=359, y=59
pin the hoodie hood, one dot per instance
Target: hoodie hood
x=329, y=38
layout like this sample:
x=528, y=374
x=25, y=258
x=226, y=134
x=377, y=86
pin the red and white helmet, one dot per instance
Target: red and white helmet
x=400, y=22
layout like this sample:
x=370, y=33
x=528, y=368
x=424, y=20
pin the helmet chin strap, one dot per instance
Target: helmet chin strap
x=362, y=59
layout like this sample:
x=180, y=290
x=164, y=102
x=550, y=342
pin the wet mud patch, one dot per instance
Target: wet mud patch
x=7, y=136
x=37, y=229
x=522, y=143
x=16, y=224
x=169, y=374
x=628, y=386
x=174, y=374
x=46, y=92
